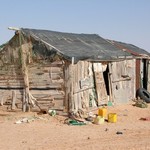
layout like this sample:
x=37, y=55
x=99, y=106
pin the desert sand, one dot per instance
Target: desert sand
x=44, y=132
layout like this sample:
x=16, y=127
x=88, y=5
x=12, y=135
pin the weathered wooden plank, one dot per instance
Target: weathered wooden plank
x=123, y=90
x=11, y=86
x=46, y=75
x=100, y=84
x=45, y=65
x=86, y=93
x=38, y=86
x=41, y=71
x=82, y=77
x=44, y=102
x=79, y=79
x=47, y=92
x=1, y=101
x=50, y=85
x=13, y=100
x=56, y=96
x=9, y=92
x=53, y=69
x=12, y=77
x=67, y=89
x=3, y=82
x=72, y=76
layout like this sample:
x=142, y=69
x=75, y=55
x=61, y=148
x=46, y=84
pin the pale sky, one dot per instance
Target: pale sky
x=122, y=20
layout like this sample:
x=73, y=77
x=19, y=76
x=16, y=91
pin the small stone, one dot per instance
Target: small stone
x=106, y=129
x=118, y=132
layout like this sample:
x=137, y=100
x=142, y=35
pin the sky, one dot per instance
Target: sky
x=121, y=20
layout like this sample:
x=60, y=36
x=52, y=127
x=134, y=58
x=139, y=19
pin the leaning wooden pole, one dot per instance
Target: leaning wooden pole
x=28, y=99
x=25, y=75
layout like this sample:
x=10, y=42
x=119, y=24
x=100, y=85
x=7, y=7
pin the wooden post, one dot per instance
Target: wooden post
x=1, y=101
x=110, y=83
x=22, y=61
x=24, y=102
x=72, y=85
x=13, y=100
x=24, y=73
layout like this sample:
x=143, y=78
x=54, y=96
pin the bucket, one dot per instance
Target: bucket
x=102, y=112
x=112, y=117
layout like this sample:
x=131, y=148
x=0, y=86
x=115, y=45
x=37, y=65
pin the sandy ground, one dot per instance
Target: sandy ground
x=50, y=133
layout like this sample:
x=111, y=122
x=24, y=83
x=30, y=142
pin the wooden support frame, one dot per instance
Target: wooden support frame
x=28, y=99
x=13, y=106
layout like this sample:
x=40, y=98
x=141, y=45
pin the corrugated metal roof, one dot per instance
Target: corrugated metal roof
x=134, y=50
x=79, y=46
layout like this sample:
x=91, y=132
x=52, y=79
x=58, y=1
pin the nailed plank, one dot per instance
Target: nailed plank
x=100, y=83
x=86, y=93
x=79, y=66
x=13, y=100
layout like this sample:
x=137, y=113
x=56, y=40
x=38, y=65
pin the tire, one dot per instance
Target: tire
x=143, y=94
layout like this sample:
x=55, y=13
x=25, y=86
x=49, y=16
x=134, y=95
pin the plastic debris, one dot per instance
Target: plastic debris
x=99, y=120
x=145, y=119
x=110, y=103
x=91, y=119
x=52, y=112
x=106, y=129
x=77, y=123
x=25, y=120
x=141, y=104
x=29, y=119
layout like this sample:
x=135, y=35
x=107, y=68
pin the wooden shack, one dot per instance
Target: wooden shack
x=42, y=69
x=142, y=66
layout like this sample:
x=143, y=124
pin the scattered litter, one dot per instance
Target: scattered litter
x=109, y=103
x=99, y=120
x=145, y=119
x=119, y=132
x=74, y=122
x=141, y=104
x=52, y=112
x=91, y=114
x=74, y=116
x=91, y=119
x=26, y=120
x=106, y=129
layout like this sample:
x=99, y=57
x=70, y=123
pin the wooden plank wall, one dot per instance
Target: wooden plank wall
x=46, y=79
x=122, y=76
x=80, y=78
x=11, y=77
x=10, y=80
x=46, y=84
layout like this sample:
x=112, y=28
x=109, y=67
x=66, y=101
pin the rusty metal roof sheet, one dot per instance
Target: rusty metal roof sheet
x=132, y=49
